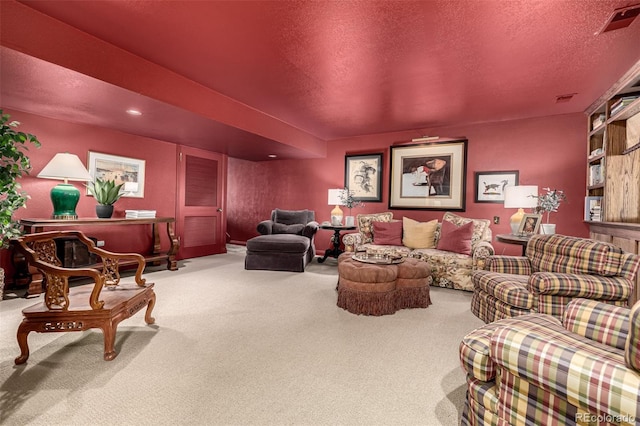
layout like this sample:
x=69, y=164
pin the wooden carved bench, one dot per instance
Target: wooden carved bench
x=101, y=304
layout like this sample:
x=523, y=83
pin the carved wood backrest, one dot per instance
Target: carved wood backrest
x=41, y=252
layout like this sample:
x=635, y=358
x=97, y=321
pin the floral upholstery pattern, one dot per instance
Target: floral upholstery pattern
x=536, y=369
x=448, y=269
x=365, y=224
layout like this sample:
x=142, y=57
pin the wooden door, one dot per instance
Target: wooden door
x=202, y=185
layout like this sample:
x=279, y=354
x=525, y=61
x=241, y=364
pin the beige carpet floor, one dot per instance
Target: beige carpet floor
x=236, y=347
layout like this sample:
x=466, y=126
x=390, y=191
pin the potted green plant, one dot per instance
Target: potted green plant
x=348, y=200
x=547, y=203
x=106, y=192
x=14, y=164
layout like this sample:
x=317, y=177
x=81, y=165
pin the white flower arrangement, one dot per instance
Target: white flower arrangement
x=348, y=200
x=550, y=202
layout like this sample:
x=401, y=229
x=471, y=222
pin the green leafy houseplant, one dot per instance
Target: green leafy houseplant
x=14, y=164
x=106, y=192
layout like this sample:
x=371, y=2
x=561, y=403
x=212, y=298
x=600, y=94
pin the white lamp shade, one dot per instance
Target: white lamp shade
x=522, y=196
x=334, y=197
x=65, y=166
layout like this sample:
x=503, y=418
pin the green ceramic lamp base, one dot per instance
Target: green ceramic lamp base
x=65, y=197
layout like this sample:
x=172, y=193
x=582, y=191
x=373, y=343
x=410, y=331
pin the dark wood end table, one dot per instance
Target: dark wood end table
x=335, y=239
x=521, y=240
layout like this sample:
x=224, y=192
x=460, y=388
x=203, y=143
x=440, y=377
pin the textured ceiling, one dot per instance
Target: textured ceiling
x=250, y=78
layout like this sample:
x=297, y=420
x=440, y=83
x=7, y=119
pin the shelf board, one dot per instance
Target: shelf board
x=629, y=111
x=598, y=130
x=598, y=186
x=595, y=158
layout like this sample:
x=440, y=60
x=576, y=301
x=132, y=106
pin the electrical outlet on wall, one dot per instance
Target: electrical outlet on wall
x=496, y=220
x=100, y=243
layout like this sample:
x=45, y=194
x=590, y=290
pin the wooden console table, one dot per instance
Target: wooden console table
x=23, y=276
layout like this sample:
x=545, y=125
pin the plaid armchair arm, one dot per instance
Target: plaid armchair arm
x=601, y=322
x=480, y=253
x=572, y=368
x=575, y=285
x=519, y=265
x=351, y=241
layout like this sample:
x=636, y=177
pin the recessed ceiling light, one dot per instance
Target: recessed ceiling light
x=272, y=156
x=133, y=112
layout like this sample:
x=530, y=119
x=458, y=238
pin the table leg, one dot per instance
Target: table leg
x=335, y=250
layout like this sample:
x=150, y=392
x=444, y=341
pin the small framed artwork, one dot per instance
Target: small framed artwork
x=363, y=176
x=429, y=176
x=530, y=224
x=490, y=186
x=125, y=170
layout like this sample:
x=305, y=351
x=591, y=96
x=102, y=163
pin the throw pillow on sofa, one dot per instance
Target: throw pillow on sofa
x=387, y=233
x=456, y=238
x=365, y=224
x=480, y=226
x=419, y=235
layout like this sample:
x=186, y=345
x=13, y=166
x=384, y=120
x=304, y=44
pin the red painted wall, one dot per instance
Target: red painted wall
x=61, y=136
x=548, y=151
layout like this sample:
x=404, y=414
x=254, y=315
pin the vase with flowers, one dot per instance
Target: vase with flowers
x=547, y=203
x=348, y=200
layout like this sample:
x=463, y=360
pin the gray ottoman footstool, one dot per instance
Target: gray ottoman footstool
x=278, y=252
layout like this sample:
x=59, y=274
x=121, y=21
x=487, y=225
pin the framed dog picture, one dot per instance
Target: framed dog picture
x=530, y=224
x=490, y=186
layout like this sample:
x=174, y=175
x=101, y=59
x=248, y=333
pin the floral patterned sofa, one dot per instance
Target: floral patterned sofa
x=449, y=269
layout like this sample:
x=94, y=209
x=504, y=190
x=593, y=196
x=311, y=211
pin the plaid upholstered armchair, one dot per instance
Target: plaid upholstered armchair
x=555, y=270
x=536, y=370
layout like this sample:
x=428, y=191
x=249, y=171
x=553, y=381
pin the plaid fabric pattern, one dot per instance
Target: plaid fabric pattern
x=519, y=265
x=481, y=405
x=597, y=321
x=509, y=288
x=587, y=286
x=490, y=309
x=587, y=374
x=630, y=266
x=632, y=346
x=573, y=255
x=539, y=373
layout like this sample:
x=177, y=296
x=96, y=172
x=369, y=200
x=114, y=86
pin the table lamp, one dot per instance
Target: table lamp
x=520, y=197
x=335, y=200
x=65, y=196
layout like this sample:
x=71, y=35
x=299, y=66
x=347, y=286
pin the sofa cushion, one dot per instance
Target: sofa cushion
x=456, y=238
x=290, y=217
x=509, y=288
x=632, y=345
x=365, y=224
x=387, y=233
x=480, y=226
x=281, y=228
x=280, y=243
x=419, y=235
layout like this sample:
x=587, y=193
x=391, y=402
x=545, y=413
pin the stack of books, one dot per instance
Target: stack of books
x=139, y=214
x=621, y=103
x=598, y=121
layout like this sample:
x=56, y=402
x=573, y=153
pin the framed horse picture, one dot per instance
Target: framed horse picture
x=490, y=186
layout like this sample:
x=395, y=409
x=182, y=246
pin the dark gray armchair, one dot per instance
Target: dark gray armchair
x=286, y=242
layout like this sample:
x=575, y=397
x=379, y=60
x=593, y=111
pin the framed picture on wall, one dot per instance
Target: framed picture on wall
x=363, y=176
x=490, y=186
x=429, y=176
x=125, y=170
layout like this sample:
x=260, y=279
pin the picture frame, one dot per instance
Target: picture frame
x=429, y=176
x=363, y=176
x=490, y=186
x=125, y=170
x=530, y=225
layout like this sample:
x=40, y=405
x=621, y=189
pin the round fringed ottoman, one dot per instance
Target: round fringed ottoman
x=365, y=288
x=412, y=284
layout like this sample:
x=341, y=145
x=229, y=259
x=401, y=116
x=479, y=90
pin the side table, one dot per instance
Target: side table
x=335, y=239
x=514, y=239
